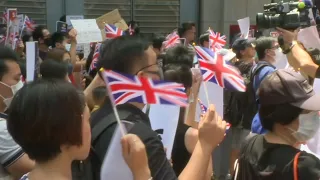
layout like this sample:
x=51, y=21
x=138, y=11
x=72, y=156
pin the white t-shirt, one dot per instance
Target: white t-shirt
x=10, y=151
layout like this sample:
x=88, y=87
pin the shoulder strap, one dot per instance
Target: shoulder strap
x=295, y=166
x=256, y=69
x=107, y=121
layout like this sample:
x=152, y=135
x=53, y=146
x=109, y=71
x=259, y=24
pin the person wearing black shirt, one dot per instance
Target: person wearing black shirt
x=135, y=56
x=290, y=112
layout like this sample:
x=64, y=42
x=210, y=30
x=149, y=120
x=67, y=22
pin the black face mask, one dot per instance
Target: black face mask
x=48, y=42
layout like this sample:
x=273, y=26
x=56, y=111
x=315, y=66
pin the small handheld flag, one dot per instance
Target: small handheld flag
x=112, y=31
x=127, y=88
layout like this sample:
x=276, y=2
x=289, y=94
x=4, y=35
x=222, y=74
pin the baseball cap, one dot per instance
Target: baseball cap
x=287, y=86
x=242, y=43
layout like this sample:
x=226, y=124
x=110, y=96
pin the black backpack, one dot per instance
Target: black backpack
x=89, y=169
x=241, y=107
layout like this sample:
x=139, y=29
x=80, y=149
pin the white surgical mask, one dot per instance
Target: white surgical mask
x=15, y=88
x=281, y=61
x=308, y=126
x=67, y=47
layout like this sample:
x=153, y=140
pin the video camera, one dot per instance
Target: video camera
x=287, y=15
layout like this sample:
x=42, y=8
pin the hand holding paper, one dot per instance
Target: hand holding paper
x=73, y=35
x=134, y=153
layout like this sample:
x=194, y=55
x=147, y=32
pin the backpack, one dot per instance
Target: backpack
x=89, y=169
x=241, y=107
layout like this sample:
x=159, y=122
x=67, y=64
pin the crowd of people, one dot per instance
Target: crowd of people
x=61, y=125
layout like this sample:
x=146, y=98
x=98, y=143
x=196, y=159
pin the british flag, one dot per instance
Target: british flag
x=112, y=31
x=216, y=41
x=127, y=88
x=171, y=40
x=204, y=110
x=95, y=57
x=216, y=70
x=29, y=24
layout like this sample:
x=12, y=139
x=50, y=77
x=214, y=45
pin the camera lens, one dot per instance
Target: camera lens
x=265, y=21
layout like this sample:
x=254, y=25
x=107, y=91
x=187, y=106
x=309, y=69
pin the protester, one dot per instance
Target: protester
x=42, y=35
x=267, y=50
x=179, y=61
x=204, y=40
x=14, y=162
x=60, y=41
x=141, y=60
x=51, y=69
x=57, y=146
x=244, y=49
x=289, y=111
x=157, y=41
x=187, y=31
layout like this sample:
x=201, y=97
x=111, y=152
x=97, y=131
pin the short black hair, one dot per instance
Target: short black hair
x=33, y=121
x=53, y=69
x=99, y=93
x=57, y=37
x=203, y=38
x=283, y=114
x=157, y=41
x=37, y=33
x=185, y=27
x=6, y=54
x=179, y=55
x=135, y=26
x=63, y=18
x=262, y=44
x=122, y=53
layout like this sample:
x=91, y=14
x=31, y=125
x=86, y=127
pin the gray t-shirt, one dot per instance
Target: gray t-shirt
x=10, y=151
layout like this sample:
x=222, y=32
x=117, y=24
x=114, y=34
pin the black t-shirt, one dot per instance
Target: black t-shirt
x=159, y=165
x=260, y=160
x=180, y=154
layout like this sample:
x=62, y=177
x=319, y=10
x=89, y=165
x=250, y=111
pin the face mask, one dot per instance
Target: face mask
x=308, y=126
x=15, y=88
x=281, y=61
x=67, y=47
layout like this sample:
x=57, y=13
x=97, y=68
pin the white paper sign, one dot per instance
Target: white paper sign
x=244, y=25
x=164, y=119
x=114, y=166
x=72, y=17
x=86, y=50
x=32, y=60
x=88, y=31
x=215, y=93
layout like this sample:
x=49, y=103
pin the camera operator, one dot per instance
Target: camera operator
x=298, y=58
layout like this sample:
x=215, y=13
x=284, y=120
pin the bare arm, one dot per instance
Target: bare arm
x=299, y=58
x=191, y=139
x=20, y=167
x=96, y=82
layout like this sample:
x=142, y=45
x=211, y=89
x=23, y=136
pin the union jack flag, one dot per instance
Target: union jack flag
x=204, y=110
x=171, y=40
x=216, y=70
x=95, y=57
x=216, y=41
x=112, y=31
x=127, y=88
x=28, y=23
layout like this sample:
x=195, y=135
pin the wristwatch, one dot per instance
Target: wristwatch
x=292, y=44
